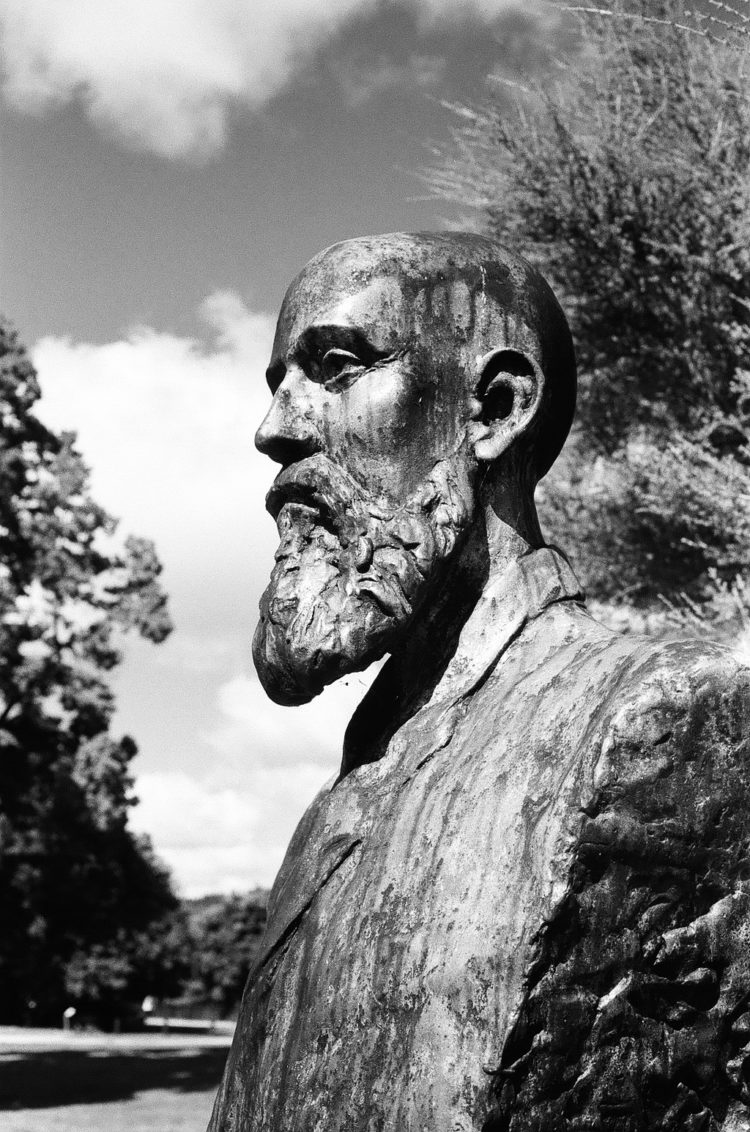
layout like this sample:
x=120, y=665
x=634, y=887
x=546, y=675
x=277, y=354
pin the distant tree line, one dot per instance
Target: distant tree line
x=193, y=961
x=623, y=171
x=221, y=943
x=88, y=915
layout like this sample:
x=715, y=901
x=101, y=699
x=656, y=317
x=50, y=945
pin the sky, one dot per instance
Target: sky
x=167, y=167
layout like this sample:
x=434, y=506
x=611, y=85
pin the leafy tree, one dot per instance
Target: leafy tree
x=77, y=888
x=624, y=173
x=109, y=981
x=225, y=935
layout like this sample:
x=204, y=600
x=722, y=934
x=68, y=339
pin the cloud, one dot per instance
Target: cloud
x=204, y=835
x=166, y=425
x=362, y=80
x=227, y=830
x=163, y=75
x=278, y=735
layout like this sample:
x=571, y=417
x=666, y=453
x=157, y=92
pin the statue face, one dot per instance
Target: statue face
x=353, y=377
x=368, y=421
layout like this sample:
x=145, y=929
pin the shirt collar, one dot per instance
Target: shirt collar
x=518, y=594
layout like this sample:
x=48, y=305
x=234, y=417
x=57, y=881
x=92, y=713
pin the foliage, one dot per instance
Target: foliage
x=625, y=175
x=225, y=935
x=627, y=504
x=77, y=888
x=103, y=979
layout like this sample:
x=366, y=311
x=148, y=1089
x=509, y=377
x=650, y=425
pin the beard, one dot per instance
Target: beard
x=349, y=573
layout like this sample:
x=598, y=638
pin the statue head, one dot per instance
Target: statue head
x=417, y=381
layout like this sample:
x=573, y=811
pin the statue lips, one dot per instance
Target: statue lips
x=319, y=485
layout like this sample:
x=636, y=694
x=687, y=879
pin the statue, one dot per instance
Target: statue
x=523, y=903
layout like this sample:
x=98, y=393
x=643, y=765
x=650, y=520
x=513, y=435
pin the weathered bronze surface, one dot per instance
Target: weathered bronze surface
x=524, y=902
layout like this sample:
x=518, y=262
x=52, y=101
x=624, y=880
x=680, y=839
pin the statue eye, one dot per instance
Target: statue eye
x=336, y=364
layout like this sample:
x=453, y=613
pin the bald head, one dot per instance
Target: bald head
x=461, y=297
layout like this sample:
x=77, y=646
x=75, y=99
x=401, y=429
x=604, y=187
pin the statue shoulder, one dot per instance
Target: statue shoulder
x=680, y=703
x=638, y=990
x=673, y=771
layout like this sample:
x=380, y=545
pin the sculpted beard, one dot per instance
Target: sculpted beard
x=348, y=574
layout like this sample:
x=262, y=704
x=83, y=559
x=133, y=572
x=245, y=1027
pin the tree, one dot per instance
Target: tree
x=625, y=175
x=224, y=939
x=76, y=886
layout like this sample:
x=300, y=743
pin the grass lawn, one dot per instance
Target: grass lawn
x=157, y=1110
x=149, y=1083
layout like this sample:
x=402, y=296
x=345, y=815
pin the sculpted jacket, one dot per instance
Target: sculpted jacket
x=532, y=912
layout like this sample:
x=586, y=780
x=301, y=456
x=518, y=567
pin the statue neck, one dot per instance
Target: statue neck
x=511, y=522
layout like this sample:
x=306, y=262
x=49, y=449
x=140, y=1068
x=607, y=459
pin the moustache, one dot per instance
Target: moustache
x=330, y=494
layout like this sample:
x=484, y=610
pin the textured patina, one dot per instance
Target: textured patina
x=522, y=904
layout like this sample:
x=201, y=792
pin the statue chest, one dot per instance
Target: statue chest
x=411, y=948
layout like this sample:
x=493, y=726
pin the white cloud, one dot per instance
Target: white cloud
x=163, y=74
x=277, y=735
x=224, y=837
x=201, y=654
x=205, y=835
x=227, y=830
x=166, y=425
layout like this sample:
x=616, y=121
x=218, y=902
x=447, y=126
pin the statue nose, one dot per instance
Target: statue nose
x=289, y=431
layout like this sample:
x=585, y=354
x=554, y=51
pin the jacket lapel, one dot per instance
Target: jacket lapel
x=331, y=830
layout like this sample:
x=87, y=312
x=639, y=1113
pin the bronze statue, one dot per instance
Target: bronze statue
x=523, y=902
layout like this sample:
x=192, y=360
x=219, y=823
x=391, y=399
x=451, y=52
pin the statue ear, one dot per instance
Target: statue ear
x=506, y=399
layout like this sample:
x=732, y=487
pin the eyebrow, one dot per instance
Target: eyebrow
x=320, y=337
x=325, y=336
